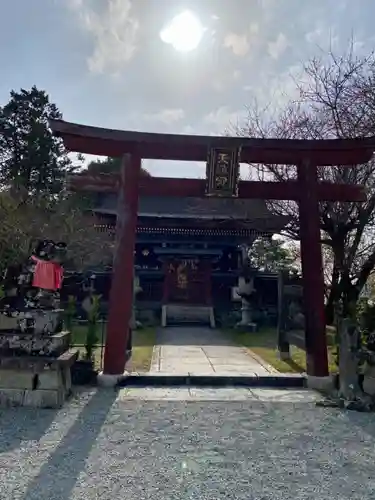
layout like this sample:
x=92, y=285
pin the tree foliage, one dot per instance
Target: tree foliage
x=25, y=220
x=110, y=166
x=336, y=100
x=272, y=255
x=30, y=156
x=33, y=202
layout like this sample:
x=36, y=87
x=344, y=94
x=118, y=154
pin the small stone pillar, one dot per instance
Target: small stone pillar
x=348, y=360
x=282, y=316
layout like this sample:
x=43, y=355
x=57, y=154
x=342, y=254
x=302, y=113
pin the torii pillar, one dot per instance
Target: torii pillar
x=313, y=278
x=121, y=294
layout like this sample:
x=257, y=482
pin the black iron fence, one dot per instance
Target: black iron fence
x=79, y=339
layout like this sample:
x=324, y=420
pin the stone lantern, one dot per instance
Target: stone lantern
x=136, y=289
x=245, y=290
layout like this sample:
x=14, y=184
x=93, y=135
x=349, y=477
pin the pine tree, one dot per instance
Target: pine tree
x=110, y=166
x=31, y=158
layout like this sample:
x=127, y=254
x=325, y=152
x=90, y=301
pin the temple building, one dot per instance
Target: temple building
x=188, y=252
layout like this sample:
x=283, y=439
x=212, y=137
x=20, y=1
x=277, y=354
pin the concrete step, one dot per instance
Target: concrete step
x=273, y=380
x=187, y=314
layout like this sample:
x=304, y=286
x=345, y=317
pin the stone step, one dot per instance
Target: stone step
x=31, y=344
x=179, y=314
x=273, y=380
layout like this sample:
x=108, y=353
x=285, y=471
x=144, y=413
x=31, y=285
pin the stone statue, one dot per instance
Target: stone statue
x=30, y=311
x=35, y=354
x=88, y=288
x=355, y=389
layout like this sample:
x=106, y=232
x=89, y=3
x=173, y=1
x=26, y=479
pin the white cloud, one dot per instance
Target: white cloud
x=268, y=4
x=278, y=47
x=222, y=81
x=114, y=32
x=224, y=119
x=165, y=116
x=75, y=4
x=272, y=90
x=239, y=44
x=188, y=130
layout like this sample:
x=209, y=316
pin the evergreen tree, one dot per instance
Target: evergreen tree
x=109, y=166
x=271, y=255
x=31, y=158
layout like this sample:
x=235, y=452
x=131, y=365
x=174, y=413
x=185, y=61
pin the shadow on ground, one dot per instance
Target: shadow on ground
x=358, y=421
x=58, y=476
x=31, y=427
x=295, y=367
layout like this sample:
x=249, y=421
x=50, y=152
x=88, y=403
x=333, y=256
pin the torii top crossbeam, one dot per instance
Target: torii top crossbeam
x=108, y=142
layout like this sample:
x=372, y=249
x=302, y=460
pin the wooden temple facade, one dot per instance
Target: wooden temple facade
x=189, y=250
x=222, y=182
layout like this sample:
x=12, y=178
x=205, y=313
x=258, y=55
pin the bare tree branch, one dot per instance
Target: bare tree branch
x=336, y=100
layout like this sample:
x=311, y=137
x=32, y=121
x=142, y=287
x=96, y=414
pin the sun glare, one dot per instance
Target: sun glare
x=184, y=32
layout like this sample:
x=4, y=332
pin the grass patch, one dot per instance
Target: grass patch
x=143, y=345
x=79, y=332
x=264, y=344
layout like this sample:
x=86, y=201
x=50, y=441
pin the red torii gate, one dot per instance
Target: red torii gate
x=307, y=155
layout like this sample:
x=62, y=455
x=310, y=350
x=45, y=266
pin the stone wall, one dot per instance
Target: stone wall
x=36, y=381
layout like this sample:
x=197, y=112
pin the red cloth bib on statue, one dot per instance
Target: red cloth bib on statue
x=47, y=275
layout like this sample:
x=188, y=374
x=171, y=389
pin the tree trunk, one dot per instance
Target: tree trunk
x=330, y=308
x=333, y=297
x=341, y=289
x=350, y=296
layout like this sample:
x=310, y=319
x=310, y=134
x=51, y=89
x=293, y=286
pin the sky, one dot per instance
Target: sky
x=104, y=63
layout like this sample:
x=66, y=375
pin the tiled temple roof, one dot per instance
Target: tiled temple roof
x=252, y=213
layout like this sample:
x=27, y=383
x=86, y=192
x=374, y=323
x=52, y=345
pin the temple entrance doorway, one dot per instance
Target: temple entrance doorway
x=187, y=282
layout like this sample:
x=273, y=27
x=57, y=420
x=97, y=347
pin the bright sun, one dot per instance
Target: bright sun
x=184, y=32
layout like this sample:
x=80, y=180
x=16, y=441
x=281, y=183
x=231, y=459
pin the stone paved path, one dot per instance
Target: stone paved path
x=227, y=443
x=202, y=351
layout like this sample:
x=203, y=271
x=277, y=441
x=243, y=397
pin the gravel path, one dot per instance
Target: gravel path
x=147, y=444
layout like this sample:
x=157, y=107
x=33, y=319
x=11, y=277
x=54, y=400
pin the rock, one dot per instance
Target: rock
x=369, y=385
